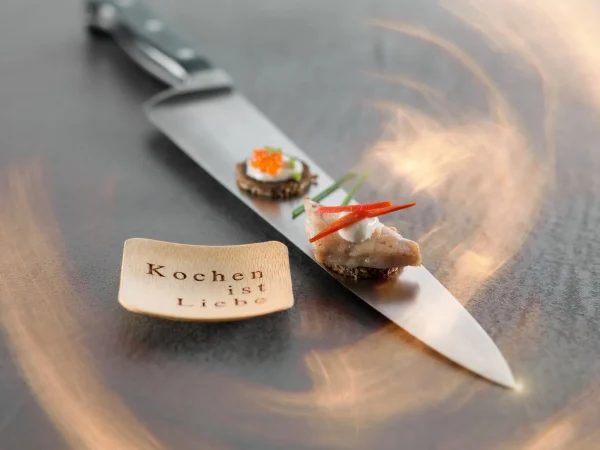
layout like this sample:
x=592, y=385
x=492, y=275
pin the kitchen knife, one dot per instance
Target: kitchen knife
x=217, y=127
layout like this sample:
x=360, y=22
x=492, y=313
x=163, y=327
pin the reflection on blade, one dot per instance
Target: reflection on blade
x=423, y=307
x=219, y=130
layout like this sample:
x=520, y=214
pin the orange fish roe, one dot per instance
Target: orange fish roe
x=267, y=161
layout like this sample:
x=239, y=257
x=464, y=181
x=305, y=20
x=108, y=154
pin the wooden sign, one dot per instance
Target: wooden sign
x=205, y=283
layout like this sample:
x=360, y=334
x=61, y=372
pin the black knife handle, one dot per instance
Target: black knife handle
x=147, y=39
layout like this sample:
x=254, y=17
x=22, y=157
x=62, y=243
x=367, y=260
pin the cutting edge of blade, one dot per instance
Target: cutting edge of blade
x=506, y=379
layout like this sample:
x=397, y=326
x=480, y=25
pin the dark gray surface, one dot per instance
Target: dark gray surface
x=330, y=373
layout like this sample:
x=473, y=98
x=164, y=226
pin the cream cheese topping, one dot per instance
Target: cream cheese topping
x=360, y=231
x=286, y=172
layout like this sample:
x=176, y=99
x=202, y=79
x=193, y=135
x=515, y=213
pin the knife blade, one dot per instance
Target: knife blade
x=205, y=116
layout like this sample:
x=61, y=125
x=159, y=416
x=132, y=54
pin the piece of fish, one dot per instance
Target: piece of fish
x=385, y=249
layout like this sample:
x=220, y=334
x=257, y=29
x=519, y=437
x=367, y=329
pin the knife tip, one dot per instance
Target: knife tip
x=507, y=379
x=511, y=384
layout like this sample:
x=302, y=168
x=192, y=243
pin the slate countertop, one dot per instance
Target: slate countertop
x=494, y=132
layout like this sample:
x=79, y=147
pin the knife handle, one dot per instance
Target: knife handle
x=147, y=39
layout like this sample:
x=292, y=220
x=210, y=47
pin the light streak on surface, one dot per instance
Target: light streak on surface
x=35, y=301
x=360, y=386
x=480, y=173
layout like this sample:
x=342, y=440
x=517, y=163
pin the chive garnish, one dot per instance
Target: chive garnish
x=272, y=149
x=330, y=190
x=354, y=189
x=297, y=176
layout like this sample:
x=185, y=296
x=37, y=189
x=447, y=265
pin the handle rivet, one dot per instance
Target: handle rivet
x=185, y=53
x=153, y=26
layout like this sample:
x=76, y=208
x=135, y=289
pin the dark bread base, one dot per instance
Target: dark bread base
x=275, y=190
x=363, y=273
